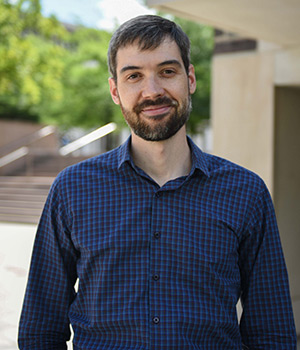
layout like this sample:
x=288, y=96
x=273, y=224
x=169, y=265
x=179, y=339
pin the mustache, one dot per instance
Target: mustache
x=158, y=102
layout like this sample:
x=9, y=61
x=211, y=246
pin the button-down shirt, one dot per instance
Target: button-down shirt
x=158, y=267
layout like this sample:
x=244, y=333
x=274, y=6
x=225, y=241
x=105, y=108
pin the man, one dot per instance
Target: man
x=163, y=238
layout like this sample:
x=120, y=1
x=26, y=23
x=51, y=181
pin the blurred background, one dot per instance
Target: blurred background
x=56, y=110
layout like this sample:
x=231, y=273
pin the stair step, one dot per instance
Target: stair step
x=23, y=197
x=20, y=211
x=24, y=219
x=19, y=204
x=34, y=180
x=24, y=191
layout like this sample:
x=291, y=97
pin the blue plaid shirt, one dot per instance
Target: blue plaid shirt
x=158, y=268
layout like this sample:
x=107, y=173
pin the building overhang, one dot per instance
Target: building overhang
x=275, y=21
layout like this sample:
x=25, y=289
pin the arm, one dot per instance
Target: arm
x=267, y=320
x=44, y=320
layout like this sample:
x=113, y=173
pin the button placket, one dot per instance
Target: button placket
x=156, y=320
x=157, y=235
x=155, y=264
x=158, y=194
x=155, y=277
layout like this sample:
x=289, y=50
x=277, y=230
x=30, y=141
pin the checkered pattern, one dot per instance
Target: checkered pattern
x=158, y=268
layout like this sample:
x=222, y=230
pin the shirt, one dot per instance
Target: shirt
x=158, y=267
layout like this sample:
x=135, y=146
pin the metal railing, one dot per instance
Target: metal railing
x=85, y=140
x=20, y=149
x=27, y=140
x=13, y=156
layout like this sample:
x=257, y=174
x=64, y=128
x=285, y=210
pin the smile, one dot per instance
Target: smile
x=153, y=111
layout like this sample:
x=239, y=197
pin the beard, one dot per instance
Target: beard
x=165, y=126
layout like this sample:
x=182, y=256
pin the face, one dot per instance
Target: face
x=153, y=90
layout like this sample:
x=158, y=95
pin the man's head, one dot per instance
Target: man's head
x=152, y=77
x=149, y=32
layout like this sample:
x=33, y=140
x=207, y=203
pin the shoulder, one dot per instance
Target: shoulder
x=241, y=192
x=224, y=173
x=230, y=175
x=88, y=171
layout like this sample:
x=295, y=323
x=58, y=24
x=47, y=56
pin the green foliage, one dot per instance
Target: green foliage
x=85, y=99
x=29, y=64
x=49, y=74
x=53, y=75
x=202, y=44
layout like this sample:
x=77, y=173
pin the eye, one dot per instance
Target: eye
x=133, y=76
x=168, y=72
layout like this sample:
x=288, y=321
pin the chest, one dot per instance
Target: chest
x=187, y=226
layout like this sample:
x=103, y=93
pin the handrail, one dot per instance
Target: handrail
x=23, y=150
x=12, y=156
x=18, y=149
x=27, y=140
x=85, y=140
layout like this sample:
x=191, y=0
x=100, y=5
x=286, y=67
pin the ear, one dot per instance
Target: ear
x=192, y=79
x=114, y=91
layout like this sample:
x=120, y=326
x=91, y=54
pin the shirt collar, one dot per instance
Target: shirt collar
x=124, y=153
x=199, y=158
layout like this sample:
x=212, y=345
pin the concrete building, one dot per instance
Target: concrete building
x=256, y=100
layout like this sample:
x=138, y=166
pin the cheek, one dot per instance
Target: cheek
x=128, y=97
x=179, y=88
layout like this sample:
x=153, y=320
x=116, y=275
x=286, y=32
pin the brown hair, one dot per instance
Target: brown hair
x=149, y=32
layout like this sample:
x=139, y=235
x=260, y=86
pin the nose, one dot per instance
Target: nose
x=152, y=88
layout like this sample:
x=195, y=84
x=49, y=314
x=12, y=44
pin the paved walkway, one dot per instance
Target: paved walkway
x=16, y=242
x=15, y=250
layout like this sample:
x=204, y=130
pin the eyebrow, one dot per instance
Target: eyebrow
x=164, y=63
x=126, y=68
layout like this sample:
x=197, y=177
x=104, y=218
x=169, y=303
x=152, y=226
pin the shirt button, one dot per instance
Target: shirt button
x=155, y=277
x=156, y=235
x=155, y=320
x=158, y=194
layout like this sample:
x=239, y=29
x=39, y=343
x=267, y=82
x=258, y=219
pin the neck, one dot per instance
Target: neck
x=163, y=160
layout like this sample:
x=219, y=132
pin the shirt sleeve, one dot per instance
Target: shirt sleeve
x=267, y=320
x=50, y=291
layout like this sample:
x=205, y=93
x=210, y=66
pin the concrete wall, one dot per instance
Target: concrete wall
x=287, y=183
x=16, y=134
x=11, y=131
x=14, y=130
x=242, y=111
x=287, y=67
x=256, y=123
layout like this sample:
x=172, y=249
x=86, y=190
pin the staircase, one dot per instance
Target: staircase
x=22, y=198
x=28, y=168
x=44, y=165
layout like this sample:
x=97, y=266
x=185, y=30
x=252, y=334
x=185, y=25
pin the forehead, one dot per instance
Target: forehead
x=132, y=55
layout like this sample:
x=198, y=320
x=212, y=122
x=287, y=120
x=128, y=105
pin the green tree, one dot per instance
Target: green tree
x=202, y=43
x=86, y=99
x=49, y=74
x=25, y=67
x=59, y=76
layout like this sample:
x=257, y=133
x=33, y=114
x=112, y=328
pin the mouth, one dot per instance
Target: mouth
x=156, y=111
